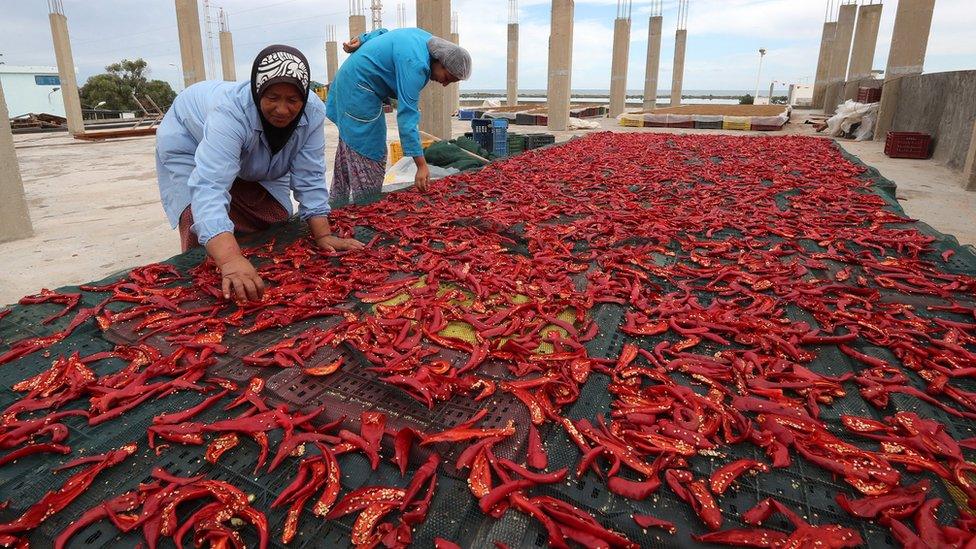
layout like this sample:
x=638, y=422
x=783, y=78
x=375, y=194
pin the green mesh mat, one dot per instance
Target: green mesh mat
x=454, y=513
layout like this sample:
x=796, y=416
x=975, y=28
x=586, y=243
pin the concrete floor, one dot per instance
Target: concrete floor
x=95, y=206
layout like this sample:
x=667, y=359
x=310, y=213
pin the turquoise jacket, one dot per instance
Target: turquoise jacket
x=388, y=64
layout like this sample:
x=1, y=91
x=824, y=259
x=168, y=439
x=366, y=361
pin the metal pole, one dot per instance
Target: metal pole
x=762, y=53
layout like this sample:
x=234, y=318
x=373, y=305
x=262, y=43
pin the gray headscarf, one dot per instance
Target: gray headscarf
x=455, y=59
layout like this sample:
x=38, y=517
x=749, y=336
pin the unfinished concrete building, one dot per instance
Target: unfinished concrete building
x=66, y=68
x=511, y=79
x=434, y=16
x=15, y=220
x=654, y=25
x=331, y=53
x=680, y=41
x=454, y=90
x=560, y=63
x=191, y=44
x=227, y=49
x=357, y=18
x=823, y=58
x=621, y=53
x=906, y=56
x=840, y=53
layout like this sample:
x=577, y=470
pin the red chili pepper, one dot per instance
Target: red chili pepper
x=724, y=476
x=53, y=502
x=647, y=521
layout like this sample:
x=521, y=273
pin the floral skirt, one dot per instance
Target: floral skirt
x=355, y=178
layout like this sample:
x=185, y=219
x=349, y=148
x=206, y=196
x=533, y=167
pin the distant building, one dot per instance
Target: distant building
x=801, y=95
x=31, y=89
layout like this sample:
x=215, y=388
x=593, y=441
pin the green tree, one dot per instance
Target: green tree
x=747, y=99
x=121, y=80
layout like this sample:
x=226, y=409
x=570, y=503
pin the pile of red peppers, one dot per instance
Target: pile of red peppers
x=759, y=281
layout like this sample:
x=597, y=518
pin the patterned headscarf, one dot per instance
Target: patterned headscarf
x=276, y=64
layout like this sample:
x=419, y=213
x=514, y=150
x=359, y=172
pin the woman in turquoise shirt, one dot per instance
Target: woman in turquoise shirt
x=385, y=64
x=229, y=155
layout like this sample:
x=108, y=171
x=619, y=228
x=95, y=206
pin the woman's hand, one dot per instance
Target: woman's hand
x=333, y=243
x=351, y=45
x=240, y=280
x=422, y=179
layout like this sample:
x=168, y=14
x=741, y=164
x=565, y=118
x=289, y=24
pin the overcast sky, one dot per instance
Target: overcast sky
x=723, y=37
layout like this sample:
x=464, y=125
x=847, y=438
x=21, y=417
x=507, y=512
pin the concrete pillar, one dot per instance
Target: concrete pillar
x=66, y=72
x=969, y=173
x=15, y=221
x=511, y=95
x=227, y=65
x=618, y=65
x=823, y=62
x=560, y=63
x=865, y=41
x=909, y=40
x=332, y=59
x=191, y=45
x=678, y=70
x=454, y=90
x=357, y=25
x=655, y=23
x=839, y=55
x=434, y=16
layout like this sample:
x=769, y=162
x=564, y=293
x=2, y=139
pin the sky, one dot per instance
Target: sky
x=722, y=53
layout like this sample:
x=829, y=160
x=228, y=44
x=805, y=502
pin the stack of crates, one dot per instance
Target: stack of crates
x=516, y=144
x=499, y=136
x=481, y=132
x=536, y=140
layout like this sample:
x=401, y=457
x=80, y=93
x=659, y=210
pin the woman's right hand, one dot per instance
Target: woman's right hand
x=422, y=179
x=240, y=280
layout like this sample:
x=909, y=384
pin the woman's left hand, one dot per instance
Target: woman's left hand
x=351, y=45
x=333, y=243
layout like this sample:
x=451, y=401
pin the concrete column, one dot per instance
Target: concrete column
x=823, y=62
x=66, y=73
x=560, y=63
x=15, y=221
x=678, y=70
x=332, y=59
x=909, y=40
x=434, y=16
x=227, y=65
x=618, y=65
x=969, y=173
x=839, y=55
x=357, y=25
x=454, y=90
x=511, y=95
x=865, y=41
x=655, y=24
x=191, y=45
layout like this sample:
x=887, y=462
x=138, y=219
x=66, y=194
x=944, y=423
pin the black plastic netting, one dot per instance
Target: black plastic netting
x=454, y=514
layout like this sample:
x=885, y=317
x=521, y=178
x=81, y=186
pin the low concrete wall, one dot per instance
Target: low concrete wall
x=942, y=104
x=851, y=87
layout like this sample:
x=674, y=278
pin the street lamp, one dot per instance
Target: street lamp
x=762, y=53
x=179, y=70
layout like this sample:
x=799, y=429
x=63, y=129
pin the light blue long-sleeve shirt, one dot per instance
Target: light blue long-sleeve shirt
x=212, y=135
x=388, y=64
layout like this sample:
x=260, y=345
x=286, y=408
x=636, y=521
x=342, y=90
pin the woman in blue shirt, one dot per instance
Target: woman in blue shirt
x=229, y=155
x=385, y=64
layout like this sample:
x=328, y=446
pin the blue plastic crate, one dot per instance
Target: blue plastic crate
x=482, y=132
x=499, y=137
x=465, y=114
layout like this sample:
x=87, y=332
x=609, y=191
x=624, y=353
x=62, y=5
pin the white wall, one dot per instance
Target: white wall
x=24, y=95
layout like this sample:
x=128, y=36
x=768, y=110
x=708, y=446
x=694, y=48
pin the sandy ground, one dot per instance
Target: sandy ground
x=95, y=206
